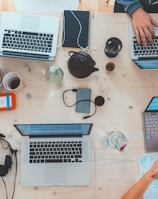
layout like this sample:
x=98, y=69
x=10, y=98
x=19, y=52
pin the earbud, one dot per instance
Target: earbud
x=99, y=101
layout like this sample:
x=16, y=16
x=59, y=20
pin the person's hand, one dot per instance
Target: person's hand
x=153, y=171
x=143, y=26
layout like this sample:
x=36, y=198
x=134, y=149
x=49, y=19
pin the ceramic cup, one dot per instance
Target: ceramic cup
x=12, y=81
x=112, y=47
x=110, y=66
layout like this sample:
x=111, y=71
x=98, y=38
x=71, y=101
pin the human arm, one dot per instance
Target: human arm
x=142, y=22
x=138, y=189
x=143, y=26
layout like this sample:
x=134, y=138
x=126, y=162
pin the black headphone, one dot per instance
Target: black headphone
x=8, y=158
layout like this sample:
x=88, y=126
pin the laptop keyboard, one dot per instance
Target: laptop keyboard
x=27, y=41
x=56, y=152
x=149, y=50
x=151, y=123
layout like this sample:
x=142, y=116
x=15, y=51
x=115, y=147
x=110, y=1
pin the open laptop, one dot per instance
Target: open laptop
x=145, y=57
x=150, y=125
x=28, y=36
x=55, y=154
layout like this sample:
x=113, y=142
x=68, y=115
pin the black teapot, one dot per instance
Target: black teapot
x=81, y=64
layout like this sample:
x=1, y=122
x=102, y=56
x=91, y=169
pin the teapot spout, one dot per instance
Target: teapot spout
x=94, y=69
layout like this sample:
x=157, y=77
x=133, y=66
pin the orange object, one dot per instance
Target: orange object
x=7, y=101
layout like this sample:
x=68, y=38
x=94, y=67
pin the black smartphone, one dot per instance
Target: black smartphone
x=83, y=100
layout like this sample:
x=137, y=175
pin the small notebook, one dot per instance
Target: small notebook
x=76, y=29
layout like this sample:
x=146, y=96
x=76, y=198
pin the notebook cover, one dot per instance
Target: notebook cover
x=71, y=28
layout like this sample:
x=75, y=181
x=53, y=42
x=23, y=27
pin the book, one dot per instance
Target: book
x=76, y=29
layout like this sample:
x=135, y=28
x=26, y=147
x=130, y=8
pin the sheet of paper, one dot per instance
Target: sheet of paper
x=145, y=162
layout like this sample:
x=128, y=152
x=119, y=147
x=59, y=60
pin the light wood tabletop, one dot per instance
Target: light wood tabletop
x=127, y=91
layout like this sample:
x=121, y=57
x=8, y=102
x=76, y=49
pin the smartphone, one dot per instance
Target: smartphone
x=83, y=100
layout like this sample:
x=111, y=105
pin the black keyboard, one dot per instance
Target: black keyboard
x=56, y=152
x=27, y=41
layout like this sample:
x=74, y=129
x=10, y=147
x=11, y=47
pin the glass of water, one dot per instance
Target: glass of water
x=117, y=140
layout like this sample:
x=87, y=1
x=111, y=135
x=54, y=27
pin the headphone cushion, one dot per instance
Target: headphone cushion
x=3, y=171
x=8, y=161
x=7, y=165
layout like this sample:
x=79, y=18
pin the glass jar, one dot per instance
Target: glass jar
x=55, y=75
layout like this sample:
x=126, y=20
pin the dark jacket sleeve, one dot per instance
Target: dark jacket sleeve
x=130, y=5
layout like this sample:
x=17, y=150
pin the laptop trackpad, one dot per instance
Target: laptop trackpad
x=30, y=22
x=55, y=174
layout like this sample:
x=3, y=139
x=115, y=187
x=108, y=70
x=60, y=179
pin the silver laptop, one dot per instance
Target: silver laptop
x=150, y=125
x=55, y=154
x=145, y=57
x=28, y=36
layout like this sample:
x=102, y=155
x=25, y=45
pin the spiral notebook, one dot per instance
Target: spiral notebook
x=76, y=29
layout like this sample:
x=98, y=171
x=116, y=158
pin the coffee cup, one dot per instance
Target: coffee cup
x=112, y=47
x=110, y=66
x=12, y=81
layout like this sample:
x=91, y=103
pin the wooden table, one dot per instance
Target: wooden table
x=127, y=91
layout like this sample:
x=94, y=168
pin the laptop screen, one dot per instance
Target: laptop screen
x=153, y=105
x=71, y=129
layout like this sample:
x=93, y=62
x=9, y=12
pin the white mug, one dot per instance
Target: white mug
x=12, y=81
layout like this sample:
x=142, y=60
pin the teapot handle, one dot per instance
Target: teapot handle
x=71, y=52
x=78, y=53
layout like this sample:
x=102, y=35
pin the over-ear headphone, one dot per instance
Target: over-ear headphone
x=8, y=158
x=4, y=169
